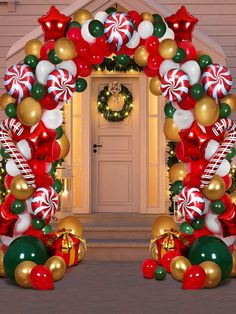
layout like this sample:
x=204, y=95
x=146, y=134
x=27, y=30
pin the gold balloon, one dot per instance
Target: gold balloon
x=81, y=252
x=82, y=15
x=154, y=252
x=146, y=16
x=215, y=189
x=233, y=197
x=230, y=100
x=57, y=266
x=6, y=99
x=178, y=267
x=233, y=271
x=141, y=55
x=168, y=48
x=33, y=47
x=171, y=131
x=213, y=274
x=177, y=172
x=29, y=111
x=73, y=223
x=154, y=86
x=65, y=49
x=160, y=224
x=22, y=273
x=64, y=145
x=2, y=271
x=206, y=111
x=20, y=189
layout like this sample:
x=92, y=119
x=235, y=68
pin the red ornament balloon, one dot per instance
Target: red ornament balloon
x=197, y=167
x=97, y=55
x=179, y=151
x=84, y=69
x=74, y=34
x=135, y=17
x=41, y=278
x=200, y=233
x=9, y=199
x=44, y=179
x=7, y=221
x=192, y=180
x=7, y=181
x=194, y=278
x=187, y=103
x=228, y=221
x=56, y=151
x=148, y=268
x=48, y=46
x=33, y=232
x=152, y=44
x=154, y=61
x=167, y=259
x=150, y=72
x=226, y=199
x=107, y=49
x=39, y=167
x=83, y=49
x=189, y=48
x=228, y=181
x=48, y=103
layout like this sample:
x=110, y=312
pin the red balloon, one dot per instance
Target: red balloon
x=125, y=50
x=179, y=151
x=194, y=278
x=154, y=61
x=148, y=268
x=7, y=181
x=200, y=233
x=97, y=55
x=192, y=180
x=7, y=221
x=197, y=167
x=228, y=181
x=48, y=103
x=84, y=69
x=107, y=49
x=189, y=48
x=83, y=49
x=74, y=34
x=9, y=199
x=44, y=179
x=33, y=232
x=150, y=72
x=226, y=199
x=49, y=45
x=228, y=221
x=152, y=44
x=167, y=259
x=56, y=151
x=187, y=103
x=135, y=17
x=39, y=167
x=41, y=278
x=231, y=248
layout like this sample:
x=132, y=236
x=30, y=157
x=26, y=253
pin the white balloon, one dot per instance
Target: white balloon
x=25, y=149
x=228, y=240
x=68, y=65
x=167, y=65
x=210, y=149
x=224, y=168
x=212, y=223
x=193, y=70
x=7, y=240
x=145, y=29
x=175, y=105
x=101, y=16
x=23, y=223
x=134, y=41
x=206, y=208
x=11, y=168
x=52, y=118
x=42, y=71
x=86, y=34
x=183, y=119
x=169, y=34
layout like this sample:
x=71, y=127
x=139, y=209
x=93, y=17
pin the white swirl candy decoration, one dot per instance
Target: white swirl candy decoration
x=16, y=127
x=45, y=203
x=175, y=85
x=118, y=29
x=61, y=85
x=222, y=126
x=18, y=81
x=217, y=81
x=191, y=204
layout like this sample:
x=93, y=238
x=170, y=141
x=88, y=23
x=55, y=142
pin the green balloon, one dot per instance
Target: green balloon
x=3, y=153
x=37, y=223
x=57, y=186
x=81, y=85
x=74, y=24
x=53, y=169
x=160, y=273
x=60, y=132
x=186, y=228
x=231, y=154
x=24, y=248
x=169, y=110
x=204, y=61
x=157, y=18
x=197, y=91
x=38, y=91
x=177, y=187
x=198, y=224
x=96, y=28
x=17, y=207
x=110, y=10
x=52, y=56
x=159, y=29
x=209, y=248
x=10, y=110
x=218, y=207
x=225, y=110
x=31, y=61
x=123, y=59
x=180, y=55
x=47, y=229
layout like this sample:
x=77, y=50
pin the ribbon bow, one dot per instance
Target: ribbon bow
x=67, y=241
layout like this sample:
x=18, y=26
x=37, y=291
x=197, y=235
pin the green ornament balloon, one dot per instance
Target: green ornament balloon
x=17, y=207
x=110, y=10
x=231, y=154
x=159, y=29
x=47, y=229
x=123, y=59
x=176, y=187
x=157, y=18
x=204, y=61
x=186, y=228
x=3, y=153
x=197, y=91
x=37, y=223
x=218, y=207
x=160, y=273
x=81, y=85
x=74, y=24
x=57, y=186
x=60, y=132
x=31, y=61
x=53, y=169
x=198, y=224
x=24, y=248
x=10, y=110
x=96, y=28
x=38, y=91
x=180, y=55
x=225, y=110
x=169, y=110
x=209, y=248
x=52, y=56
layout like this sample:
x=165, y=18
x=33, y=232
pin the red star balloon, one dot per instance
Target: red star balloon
x=7, y=221
x=182, y=23
x=54, y=24
x=228, y=221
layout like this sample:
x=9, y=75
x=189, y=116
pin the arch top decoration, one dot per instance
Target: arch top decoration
x=198, y=106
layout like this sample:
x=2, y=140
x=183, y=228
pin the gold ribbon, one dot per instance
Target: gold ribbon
x=67, y=241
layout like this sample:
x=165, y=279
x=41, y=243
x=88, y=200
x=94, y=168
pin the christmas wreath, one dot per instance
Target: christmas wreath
x=115, y=90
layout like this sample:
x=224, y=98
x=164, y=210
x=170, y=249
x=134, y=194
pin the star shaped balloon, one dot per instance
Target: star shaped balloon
x=228, y=221
x=54, y=24
x=7, y=221
x=182, y=23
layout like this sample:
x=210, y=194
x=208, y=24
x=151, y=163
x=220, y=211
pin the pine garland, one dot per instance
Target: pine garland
x=171, y=160
x=112, y=65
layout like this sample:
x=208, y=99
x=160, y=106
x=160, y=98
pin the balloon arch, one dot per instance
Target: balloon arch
x=197, y=108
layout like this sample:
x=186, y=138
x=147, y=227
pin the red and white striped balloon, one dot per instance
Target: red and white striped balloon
x=217, y=81
x=45, y=203
x=18, y=81
x=175, y=85
x=191, y=204
x=118, y=29
x=61, y=85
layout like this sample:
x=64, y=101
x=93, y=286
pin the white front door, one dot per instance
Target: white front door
x=115, y=166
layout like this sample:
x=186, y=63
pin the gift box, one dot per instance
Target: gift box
x=63, y=243
x=170, y=240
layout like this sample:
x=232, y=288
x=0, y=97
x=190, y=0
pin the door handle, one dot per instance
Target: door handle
x=97, y=145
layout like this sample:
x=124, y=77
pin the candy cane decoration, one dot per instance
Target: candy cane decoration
x=224, y=125
x=16, y=127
